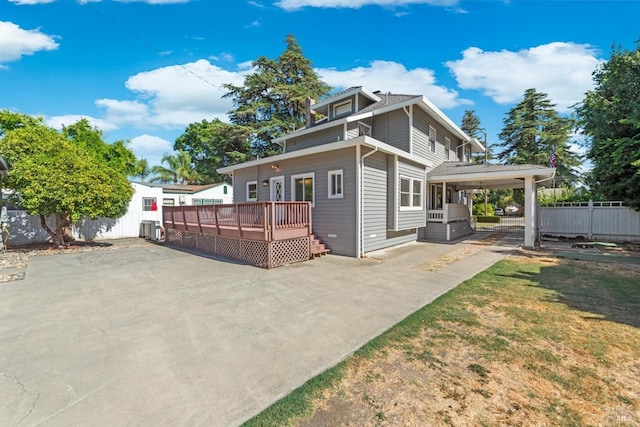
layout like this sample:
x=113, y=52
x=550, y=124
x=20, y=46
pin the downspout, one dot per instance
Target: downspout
x=361, y=224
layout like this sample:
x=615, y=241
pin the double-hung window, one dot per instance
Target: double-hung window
x=303, y=188
x=335, y=184
x=342, y=108
x=252, y=191
x=447, y=147
x=432, y=139
x=410, y=193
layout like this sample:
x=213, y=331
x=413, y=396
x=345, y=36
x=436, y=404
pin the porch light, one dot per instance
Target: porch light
x=275, y=166
x=265, y=183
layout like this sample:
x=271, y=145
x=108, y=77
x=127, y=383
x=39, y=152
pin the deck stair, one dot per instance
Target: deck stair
x=317, y=248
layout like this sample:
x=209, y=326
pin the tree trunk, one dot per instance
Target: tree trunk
x=56, y=236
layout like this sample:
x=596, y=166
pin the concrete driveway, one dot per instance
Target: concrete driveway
x=151, y=336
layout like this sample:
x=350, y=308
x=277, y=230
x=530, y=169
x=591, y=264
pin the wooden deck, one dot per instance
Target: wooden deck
x=266, y=234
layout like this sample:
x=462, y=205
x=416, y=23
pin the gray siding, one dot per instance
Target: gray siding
x=316, y=138
x=421, y=122
x=415, y=217
x=336, y=217
x=392, y=128
x=375, y=202
x=437, y=232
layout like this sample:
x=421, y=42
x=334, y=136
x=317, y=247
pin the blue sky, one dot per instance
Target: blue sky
x=143, y=70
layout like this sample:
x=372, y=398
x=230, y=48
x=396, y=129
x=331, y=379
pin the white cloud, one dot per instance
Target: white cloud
x=180, y=94
x=151, y=148
x=65, y=120
x=396, y=78
x=155, y=1
x=356, y=4
x=30, y=2
x=561, y=70
x=16, y=42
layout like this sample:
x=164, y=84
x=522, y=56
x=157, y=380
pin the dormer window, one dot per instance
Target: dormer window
x=342, y=108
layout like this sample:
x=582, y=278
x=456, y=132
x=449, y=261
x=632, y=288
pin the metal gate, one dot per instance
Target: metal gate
x=507, y=224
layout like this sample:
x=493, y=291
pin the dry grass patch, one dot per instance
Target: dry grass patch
x=460, y=254
x=531, y=341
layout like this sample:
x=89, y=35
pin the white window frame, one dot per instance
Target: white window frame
x=250, y=199
x=205, y=202
x=331, y=191
x=432, y=138
x=411, y=194
x=168, y=201
x=311, y=175
x=364, y=129
x=146, y=207
x=447, y=147
x=341, y=106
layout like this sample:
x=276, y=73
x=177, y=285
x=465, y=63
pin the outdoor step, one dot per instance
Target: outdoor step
x=316, y=247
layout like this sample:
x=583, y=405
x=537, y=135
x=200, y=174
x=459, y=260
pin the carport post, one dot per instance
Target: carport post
x=529, y=212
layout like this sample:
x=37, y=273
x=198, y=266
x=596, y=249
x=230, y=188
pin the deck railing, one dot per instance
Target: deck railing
x=451, y=212
x=266, y=221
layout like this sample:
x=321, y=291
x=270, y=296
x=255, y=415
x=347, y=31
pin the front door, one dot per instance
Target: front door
x=276, y=191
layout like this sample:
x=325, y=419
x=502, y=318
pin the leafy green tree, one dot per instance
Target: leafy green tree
x=533, y=131
x=116, y=155
x=471, y=126
x=271, y=102
x=213, y=145
x=55, y=176
x=179, y=169
x=610, y=119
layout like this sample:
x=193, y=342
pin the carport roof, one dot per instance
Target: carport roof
x=480, y=175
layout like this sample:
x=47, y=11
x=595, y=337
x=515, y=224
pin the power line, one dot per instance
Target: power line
x=142, y=42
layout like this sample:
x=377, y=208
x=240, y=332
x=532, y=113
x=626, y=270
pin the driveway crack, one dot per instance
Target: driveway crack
x=24, y=390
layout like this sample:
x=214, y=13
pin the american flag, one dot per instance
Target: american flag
x=552, y=159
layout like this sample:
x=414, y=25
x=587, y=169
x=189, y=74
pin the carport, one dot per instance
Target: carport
x=480, y=176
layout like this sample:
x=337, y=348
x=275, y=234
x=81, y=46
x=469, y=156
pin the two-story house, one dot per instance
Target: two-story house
x=364, y=160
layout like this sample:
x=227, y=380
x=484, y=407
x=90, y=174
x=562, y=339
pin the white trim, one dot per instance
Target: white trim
x=271, y=181
x=353, y=142
x=335, y=107
x=346, y=94
x=311, y=175
x=447, y=148
x=432, y=141
x=247, y=192
x=411, y=129
x=411, y=207
x=330, y=175
x=358, y=224
x=396, y=193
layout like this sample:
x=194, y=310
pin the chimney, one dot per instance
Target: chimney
x=311, y=115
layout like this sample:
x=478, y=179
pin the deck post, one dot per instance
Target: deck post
x=198, y=208
x=215, y=214
x=173, y=221
x=238, y=220
x=273, y=221
x=184, y=219
x=265, y=221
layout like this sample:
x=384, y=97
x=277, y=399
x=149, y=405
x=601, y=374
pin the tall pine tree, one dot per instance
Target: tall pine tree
x=272, y=100
x=533, y=131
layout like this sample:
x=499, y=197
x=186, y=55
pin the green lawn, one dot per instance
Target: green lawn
x=530, y=341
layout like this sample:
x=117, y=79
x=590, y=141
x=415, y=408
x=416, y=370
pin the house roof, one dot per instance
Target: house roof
x=180, y=188
x=480, y=175
x=364, y=140
x=385, y=103
x=344, y=94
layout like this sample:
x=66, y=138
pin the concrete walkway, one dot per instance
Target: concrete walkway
x=152, y=336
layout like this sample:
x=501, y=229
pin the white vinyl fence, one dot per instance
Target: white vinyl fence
x=591, y=220
x=26, y=229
